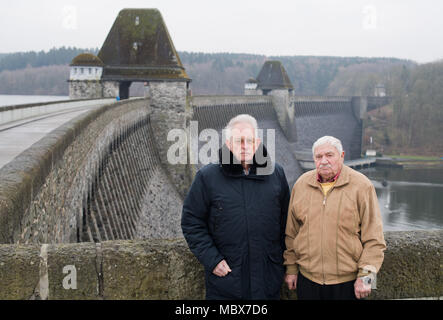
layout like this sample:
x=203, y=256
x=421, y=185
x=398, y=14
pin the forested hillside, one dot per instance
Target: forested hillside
x=412, y=124
x=218, y=73
x=21, y=60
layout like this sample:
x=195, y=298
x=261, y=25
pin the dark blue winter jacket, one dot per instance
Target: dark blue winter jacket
x=240, y=218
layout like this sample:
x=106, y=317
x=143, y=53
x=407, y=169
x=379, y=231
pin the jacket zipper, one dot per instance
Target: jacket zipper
x=247, y=232
x=322, y=228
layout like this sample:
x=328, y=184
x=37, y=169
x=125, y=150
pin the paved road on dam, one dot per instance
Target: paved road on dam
x=19, y=134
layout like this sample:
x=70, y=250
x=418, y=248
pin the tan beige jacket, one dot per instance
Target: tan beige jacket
x=331, y=238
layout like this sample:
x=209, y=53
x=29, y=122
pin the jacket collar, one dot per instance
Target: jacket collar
x=236, y=170
x=342, y=179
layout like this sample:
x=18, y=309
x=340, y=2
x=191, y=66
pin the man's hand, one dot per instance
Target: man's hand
x=221, y=269
x=291, y=281
x=361, y=289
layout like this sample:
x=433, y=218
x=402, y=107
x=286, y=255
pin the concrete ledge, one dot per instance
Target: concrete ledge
x=297, y=98
x=37, y=104
x=197, y=101
x=126, y=269
x=166, y=269
x=412, y=267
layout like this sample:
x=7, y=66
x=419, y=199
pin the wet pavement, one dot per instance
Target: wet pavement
x=17, y=136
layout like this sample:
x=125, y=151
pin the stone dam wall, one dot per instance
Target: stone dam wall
x=335, y=116
x=95, y=178
x=166, y=269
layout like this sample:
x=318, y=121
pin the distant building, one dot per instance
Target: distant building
x=380, y=90
x=251, y=88
x=273, y=76
x=85, y=75
x=273, y=80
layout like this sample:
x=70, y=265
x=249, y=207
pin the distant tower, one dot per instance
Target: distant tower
x=273, y=80
x=251, y=88
x=273, y=76
x=139, y=48
x=84, y=77
x=380, y=90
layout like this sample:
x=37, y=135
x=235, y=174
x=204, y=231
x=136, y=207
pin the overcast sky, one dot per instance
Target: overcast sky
x=410, y=29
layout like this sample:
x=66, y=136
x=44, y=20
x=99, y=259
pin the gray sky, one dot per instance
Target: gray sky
x=408, y=29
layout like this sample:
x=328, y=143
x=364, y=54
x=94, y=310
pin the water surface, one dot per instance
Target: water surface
x=409, y=199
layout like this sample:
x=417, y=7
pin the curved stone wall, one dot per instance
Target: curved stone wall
x=90, y=179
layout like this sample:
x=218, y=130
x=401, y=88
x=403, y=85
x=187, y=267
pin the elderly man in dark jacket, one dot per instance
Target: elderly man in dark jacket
x=234, y=218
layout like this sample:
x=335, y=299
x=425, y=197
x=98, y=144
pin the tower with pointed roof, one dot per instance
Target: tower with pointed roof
x=273, y=76
x=274, y=81
x=138, y=48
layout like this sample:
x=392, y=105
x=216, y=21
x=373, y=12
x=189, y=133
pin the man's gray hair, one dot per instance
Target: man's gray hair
x=328, y=139
x=241, y=118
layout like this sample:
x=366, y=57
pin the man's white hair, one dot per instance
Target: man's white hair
x=241, y=118
x=328, y=139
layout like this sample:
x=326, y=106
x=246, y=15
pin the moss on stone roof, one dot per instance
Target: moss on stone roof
x=86, y=59
x=139, y=40
x=251, y=80
x=273, y=76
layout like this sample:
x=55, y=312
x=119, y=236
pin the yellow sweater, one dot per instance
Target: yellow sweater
x=326, y=186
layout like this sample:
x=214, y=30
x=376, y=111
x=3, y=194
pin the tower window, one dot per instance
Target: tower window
x=137, y=21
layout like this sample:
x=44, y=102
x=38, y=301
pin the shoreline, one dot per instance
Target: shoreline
x=410, y=162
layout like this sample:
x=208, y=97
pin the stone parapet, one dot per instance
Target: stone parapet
x=166, y=269
x=126, y=269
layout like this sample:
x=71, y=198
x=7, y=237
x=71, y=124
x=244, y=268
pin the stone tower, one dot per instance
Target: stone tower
x=139, y=48
x=274, y=81
x=85, y=77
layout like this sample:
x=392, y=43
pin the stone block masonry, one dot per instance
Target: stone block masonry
x=166, y=269
x=169, y=107
x=85, y=89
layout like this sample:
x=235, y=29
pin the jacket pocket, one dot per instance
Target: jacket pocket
x=273, y=274
x=215, y=217
x=358, y=249
x=300, y=243
x=229, y=286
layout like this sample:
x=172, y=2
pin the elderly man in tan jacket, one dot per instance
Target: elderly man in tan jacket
x=334, y=233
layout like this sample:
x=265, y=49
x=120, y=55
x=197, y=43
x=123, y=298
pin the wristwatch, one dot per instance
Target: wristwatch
x=367, y=280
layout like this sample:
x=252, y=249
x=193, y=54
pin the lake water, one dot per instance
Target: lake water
x=410, y=199
x=9, y=99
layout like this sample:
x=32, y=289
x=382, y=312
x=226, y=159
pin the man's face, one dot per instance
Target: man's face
x=243, y=143
x=328, y=161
